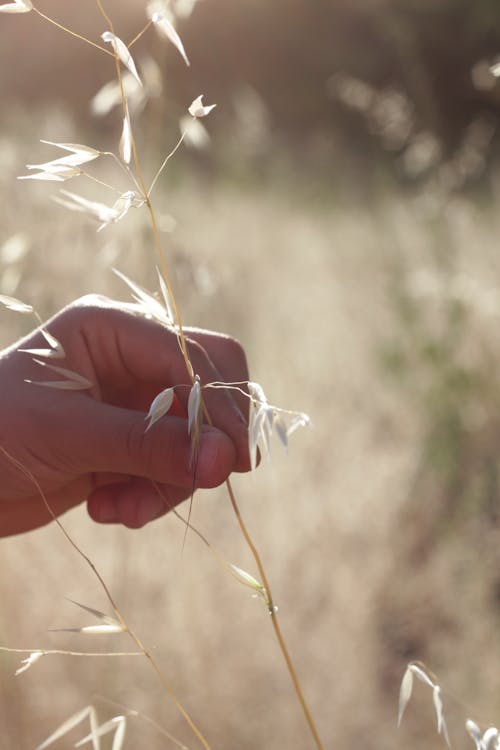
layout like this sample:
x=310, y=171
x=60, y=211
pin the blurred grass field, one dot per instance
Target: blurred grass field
x=378, y=318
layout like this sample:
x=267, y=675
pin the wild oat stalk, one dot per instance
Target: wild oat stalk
x=264, y=418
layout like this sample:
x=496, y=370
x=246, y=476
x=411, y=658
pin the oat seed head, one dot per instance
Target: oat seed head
x=489, y=740
x=198, y=109
x=122, y=52
x=29, y=661
x=73, y=382
x=19, y=6
x=413, y=670
x=165, y=27
x=148, y=304
x=56, y=350
x=160, y=406
x=11, y=303
x=109, y=96
x=101, y=212
x=126, y=138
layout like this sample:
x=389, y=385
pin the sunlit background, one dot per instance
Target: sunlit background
x=338, y=213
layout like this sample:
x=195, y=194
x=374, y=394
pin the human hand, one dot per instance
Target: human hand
x=92, y=445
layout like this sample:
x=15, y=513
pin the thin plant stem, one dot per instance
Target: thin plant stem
x=62, y=652
x=246, y=535
x=168, y=689
x=105, y=16
x=69, y=31
x=220, y=560
x=144, y=651
x=138, y=36
x=125, y=168
x=100, y=182
x=143, y=717
x=154, y=224
x=164, y=162
x=274, y=619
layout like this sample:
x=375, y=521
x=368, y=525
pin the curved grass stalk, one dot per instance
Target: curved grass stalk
x=165, y=161
x=138, y=36
x=274, y=619
x=143, y=650
x=158, y=246
x=69, y=31
x=182, y=342
x=63, y=652
x=161, y=256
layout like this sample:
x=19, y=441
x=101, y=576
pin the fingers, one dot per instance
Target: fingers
x=134, y=359
x=134, y=503
x=113, y=439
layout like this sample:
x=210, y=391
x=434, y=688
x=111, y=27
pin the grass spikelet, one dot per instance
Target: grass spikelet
x=166, y=29
x=19, y=6
x=29, y=661
x=11, y=303
x=89, y=713
x=198, y=109
x=118, y=725
x=160, y=406
x=122, y=52
x=108, y=624
x=74, y=382
x=405, y=692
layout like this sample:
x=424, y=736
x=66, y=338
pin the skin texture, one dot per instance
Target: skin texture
x=92, y=445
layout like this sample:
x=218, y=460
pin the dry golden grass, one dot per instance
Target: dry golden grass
x=362, y=581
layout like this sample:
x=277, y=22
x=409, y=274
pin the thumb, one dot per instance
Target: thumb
x=108, y=438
